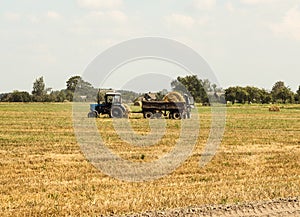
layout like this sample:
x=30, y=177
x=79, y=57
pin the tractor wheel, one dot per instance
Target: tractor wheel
x=116, y=112
x=176, y=115
x=92, y=115
x=148, y=115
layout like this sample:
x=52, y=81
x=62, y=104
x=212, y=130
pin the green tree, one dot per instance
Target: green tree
x=160, y=94
x=18, y=96
x=73, y=82
x=84, y=90
x=265, y=96
x=193, y=86
x=230, y=94
x=254, y=94
x=281, y=93
x=39, y=90
x=57, y=96
x=241, y=95
x=297, y=95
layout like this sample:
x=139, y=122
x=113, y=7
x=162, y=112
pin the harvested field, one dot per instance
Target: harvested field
x=283, y=207
x=44, y=172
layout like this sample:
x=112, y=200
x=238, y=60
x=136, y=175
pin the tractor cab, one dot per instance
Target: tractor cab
x=113, y=98
x=111, y=106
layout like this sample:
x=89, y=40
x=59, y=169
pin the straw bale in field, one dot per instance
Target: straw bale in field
x=274, y=108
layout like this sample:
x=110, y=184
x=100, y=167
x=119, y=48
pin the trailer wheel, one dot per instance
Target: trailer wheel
x=176, y=115
x=116, y=112
x=148, y=115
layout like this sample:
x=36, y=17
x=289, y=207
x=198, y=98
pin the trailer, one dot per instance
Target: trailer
x=172, y=110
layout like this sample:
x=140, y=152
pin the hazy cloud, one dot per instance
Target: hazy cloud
x=254, y=2
x=105, y=23
x=100, y=4
x=53, y=15
x=180, y=20
x=33, y=18
x=229, y=6
x=106, y=17
x=204, y=4
x=12, y=16
x=290, y=24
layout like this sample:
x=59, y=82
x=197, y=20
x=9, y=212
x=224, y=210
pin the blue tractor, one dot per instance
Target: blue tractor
x=112, y=106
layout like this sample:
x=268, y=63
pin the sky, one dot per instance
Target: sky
x=246, y=42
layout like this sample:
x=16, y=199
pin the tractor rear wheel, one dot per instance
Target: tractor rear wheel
x=116, y=112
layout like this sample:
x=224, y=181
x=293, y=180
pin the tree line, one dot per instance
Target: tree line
x=280, y=93
x=201, y=90
x=40, y=93
x=84, y=92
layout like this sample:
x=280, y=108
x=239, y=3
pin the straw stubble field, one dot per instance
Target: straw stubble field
x=44, y=172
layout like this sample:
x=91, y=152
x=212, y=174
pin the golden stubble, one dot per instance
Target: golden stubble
x=44, y=172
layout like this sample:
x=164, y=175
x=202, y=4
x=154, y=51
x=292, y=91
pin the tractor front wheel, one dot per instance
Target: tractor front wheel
x=92, y=115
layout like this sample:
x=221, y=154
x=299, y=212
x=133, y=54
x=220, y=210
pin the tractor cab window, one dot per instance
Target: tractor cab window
x=117, y=99
x=109, y=99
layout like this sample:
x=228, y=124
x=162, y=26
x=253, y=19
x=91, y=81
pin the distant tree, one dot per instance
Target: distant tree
x=178, y=86
x=193, y=85
x=72, y=82
x=69, y=95
x=230, y=94
x=83, y=89
x=4, y=97
x=247, y=94
x=241, y=95
x=281, y=93
x=214, y=87
x=19, y=96
x=206, y=85
x=297, y=95
x=39, y=90
x=57, y=96
x=16, y=96
x=265, y=96
x=254, y=94
x=128, y=96
x=160, y=94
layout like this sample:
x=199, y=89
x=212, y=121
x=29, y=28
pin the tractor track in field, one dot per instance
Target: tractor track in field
x=285, y=207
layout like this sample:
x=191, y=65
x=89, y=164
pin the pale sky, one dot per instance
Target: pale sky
x=246, y=42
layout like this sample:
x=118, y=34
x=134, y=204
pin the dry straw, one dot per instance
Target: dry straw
x=173, y=97
x=274, y=108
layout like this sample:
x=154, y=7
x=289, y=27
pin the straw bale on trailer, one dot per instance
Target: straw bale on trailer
x=138, y=103
x=173, y=97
